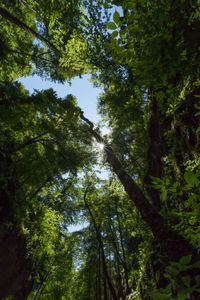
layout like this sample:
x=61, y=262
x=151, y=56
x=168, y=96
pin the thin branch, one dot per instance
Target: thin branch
x=26, y=4
x=39, y=188
x=30, y=142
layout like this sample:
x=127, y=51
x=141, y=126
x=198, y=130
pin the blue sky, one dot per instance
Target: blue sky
x=82, y=88
x=86, y=95
x=84, y=91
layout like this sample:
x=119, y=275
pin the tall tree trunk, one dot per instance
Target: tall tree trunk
x=99, y=275
x=120, y=261
x=104, y=286
x=8, y=16
x=170, y=241
x=108, y=279
x=15, y=264
x=155, y=153
x=128, y=290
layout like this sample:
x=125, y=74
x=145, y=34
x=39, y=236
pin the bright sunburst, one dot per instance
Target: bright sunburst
x=100, y=146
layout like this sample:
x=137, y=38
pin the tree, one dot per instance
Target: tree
x=37, y=148
x=149, y=69
x=57, y=37
x=149, y=86
x=104, y=263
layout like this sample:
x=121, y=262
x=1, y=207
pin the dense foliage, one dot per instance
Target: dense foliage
x=139, y=233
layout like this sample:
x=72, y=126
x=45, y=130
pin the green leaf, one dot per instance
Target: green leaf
x=112, y=25
x=123, y=36
x=185, y=259
x=114, y=34
x=182, y=295
x=186, y=281
x=116, y=17
x=164, y=195
x=191, y=178
x=156, y=295
x=173, y=271
x=157, y=275
x=156, y=180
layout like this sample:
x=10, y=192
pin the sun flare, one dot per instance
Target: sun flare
x=100, y=146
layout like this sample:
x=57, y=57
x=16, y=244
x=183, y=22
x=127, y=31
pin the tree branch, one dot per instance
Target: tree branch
x=8, y=16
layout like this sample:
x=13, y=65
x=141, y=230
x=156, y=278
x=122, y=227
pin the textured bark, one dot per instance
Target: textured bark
x=119, y=261
x=98, y=277
x=154, y=154
x=128, y=290
x=104, y=287
x=15, y=265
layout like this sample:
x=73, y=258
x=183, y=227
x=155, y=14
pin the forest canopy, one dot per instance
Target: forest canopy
x=140, y=230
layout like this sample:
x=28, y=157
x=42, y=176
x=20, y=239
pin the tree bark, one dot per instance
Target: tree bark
x=123, y=254
x=104, y=286
x=15, y=264
x=155, y=153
